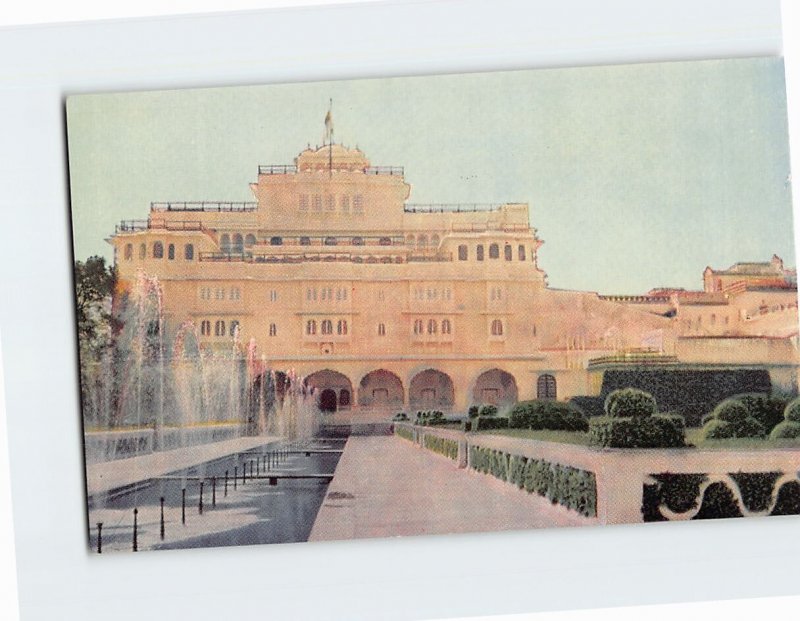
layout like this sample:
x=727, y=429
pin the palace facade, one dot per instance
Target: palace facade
x=386, y=305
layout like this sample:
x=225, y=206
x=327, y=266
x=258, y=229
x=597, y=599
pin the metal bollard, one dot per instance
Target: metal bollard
x=213, y=492
x=99, y=537
x=226, y=483
x=183, y=506
x=200, y=505
x=244, y=472
x=162, y=518
x=135, y=530
x=235, y=476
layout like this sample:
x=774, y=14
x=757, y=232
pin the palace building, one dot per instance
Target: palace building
x=386, y=305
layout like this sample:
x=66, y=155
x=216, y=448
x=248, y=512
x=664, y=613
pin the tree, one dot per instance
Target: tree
x=94, y=285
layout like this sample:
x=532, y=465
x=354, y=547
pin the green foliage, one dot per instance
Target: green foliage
x=483, y=423
x=466, y=425
x=788, y=429
x=732, y=419
x=767, y=410
x=487, y=410
x=590, y=406
x=788, y=501
x=630, y=403
x=541, y=414
x=792, y=411
x=718, y=502
x=443, y=446
x=730, y=411
x=642, y=432
x=564, y=485
x=678, y=492
x=473, y=411
x=430, y=418
x=94, y=286
x=756, y=488
x=404, y=432
x=400, y=416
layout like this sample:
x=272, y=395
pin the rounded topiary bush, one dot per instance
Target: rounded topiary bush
x=473, y=411
x=716, y=429
x=788, y=429
x=749, y=428
x=631, y=402
x=730, y=411
x=792, y=411
x=488, y=410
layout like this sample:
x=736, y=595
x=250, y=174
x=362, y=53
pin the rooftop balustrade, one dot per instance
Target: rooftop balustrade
x=451, y=207
x=290, y=169
x=317, y=257
x=131, y=226
x=204, y=206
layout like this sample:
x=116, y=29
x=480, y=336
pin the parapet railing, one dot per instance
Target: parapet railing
x=395, y=171
x=638, y=357
x=204, y=206
x=277, y=169
x=637, y=299
x=318, y=257
x=289, y=169
x=130, y=226
x=480, y=227
x=450, y=207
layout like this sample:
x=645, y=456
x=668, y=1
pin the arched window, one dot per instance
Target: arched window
x=410, y=240
x=238, y=244
x=205, y=327
x=344, y=201
x=713, y=319
x=273, y=329
x=463, y=253
x=276, y=241
x=358, y=204
x=385, y=241
x=188, y=252
x=303, y=202
x=497, y=327
x=316, y=202
x=331, y=241
x=327, y=326
x=305, y=241
x=171, y=252
x=249, y=240
x=330, y=202
x=546, y=387
x=341, y=327
x=418, y=326
x=432, y=326
x=479, y=252
x=233, y=327
x=225, y=243
x=311, y=327
x=521, y=253
x=219, y=328
x=508, y=252
x=435, y=241
x=381, y=329
x=422, y=241
x=358, y=241
x=446, y=327
x=158, y=250
x=128, y=252
x=344, y=397
x=142, y=251
x=494, y=251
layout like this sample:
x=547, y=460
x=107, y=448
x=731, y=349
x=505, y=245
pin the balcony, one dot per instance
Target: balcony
x=316, y=257
x=277, y=169
x=213, y=206
x=132, y=226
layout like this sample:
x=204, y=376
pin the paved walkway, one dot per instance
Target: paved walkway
x=110, y=475
x=385, y=486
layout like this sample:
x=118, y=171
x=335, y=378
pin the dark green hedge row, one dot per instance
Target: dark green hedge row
x=689, y=393
x=541, y=414
x=482, y=423
x=681, y=492
x=443, y=446
x=660, y=431
x=564, y=485
x=404, y=432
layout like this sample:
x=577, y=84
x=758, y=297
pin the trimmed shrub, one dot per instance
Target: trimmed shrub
x=766, y=409
x=650, y=432
x=481, y=423
x=718, y=502
x=487, y=410
x=630, y=403
x=590, y=406
x=792, y=411
x=473, y=411
x=788, y=501
x=404, y=432
x=731, y=411
x=400, y=416
x=540, y=414
x=466, y=425
x=788, y=429
x=443, y=446
x=716, y=429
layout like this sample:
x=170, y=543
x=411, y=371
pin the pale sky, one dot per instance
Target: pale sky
x=637, y=176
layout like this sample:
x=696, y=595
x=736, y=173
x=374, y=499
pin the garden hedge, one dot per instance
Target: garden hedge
x=660, y=431
x=540, y=414
x=443, y=446
x=564, y=485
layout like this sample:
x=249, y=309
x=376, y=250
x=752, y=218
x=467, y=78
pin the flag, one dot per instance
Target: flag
x=329, y=126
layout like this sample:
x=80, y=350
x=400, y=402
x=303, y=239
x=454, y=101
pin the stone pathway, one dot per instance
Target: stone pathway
x=385, y=486
x=110, y=475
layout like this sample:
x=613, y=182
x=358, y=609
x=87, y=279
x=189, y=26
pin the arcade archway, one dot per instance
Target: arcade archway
x=495, y=387
x=380, y=389
x=431, y=389
x=333, y=390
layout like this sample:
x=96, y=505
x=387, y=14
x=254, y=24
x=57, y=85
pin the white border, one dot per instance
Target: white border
x=410, y=578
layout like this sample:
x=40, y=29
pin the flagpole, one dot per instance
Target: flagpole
x=330, y=139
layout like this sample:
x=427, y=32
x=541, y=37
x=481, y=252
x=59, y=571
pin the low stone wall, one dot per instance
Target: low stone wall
x=104, y=446
x=631, y=483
